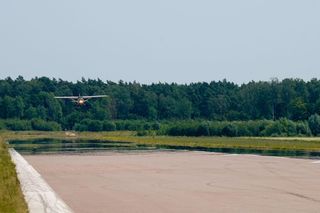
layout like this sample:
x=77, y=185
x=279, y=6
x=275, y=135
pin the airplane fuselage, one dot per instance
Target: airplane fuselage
x=80, y=101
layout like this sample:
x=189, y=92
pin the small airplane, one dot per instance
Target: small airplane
x=80, y=100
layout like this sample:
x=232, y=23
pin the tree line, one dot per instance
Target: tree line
x=294, y=100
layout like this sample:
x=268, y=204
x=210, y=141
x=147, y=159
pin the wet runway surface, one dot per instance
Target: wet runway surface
x=78, y=146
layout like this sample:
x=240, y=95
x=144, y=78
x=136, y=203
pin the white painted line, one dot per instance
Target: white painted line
x=316, y=161
x=39, y=196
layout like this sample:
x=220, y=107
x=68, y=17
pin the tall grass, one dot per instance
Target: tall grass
x=11, y=197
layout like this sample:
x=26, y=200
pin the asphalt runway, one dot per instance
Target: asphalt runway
x=181, y=182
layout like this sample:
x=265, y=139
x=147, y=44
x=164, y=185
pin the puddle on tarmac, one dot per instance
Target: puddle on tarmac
x=56, y=146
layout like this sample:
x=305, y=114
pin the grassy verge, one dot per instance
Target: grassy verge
x=11, y=198
x=292, y=144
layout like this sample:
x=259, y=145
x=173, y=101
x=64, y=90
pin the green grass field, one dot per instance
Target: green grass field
x=302, y=144
x=11, y=198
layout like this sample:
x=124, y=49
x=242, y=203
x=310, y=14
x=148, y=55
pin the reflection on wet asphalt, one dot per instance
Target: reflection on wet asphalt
x=47, y=146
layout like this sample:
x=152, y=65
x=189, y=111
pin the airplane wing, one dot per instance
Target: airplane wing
x=94, y=96
x=66, y=97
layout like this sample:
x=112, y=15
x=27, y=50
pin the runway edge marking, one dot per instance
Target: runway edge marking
x=39, y=196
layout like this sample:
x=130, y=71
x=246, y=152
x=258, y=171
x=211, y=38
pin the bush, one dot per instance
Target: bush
x=136, y=125
x=282, y=127
x=314, y=124
x=186, y=128
x=142, y=133
x=95, y=126
x=273, y=129
x=243, y=129
x=131, y=125
x=146, y=126
x=203, y=130
x=80, y=127
x=2, y=125
x=255, y=127
x=303, y=129
x=289, y=127
x=39, y=124
x=89, y=125
x=108, y=126
x=230, y=130
x=215, y=128
x=18, y=125
x=156, y=126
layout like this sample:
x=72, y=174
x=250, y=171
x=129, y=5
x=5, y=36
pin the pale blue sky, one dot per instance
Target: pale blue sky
x=168, y=41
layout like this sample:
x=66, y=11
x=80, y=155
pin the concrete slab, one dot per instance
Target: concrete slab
x=39, y=196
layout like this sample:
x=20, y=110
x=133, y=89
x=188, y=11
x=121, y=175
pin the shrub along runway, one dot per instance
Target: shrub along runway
x=181, y=182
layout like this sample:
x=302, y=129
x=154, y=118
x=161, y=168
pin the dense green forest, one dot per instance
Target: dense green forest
x=30, y=104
